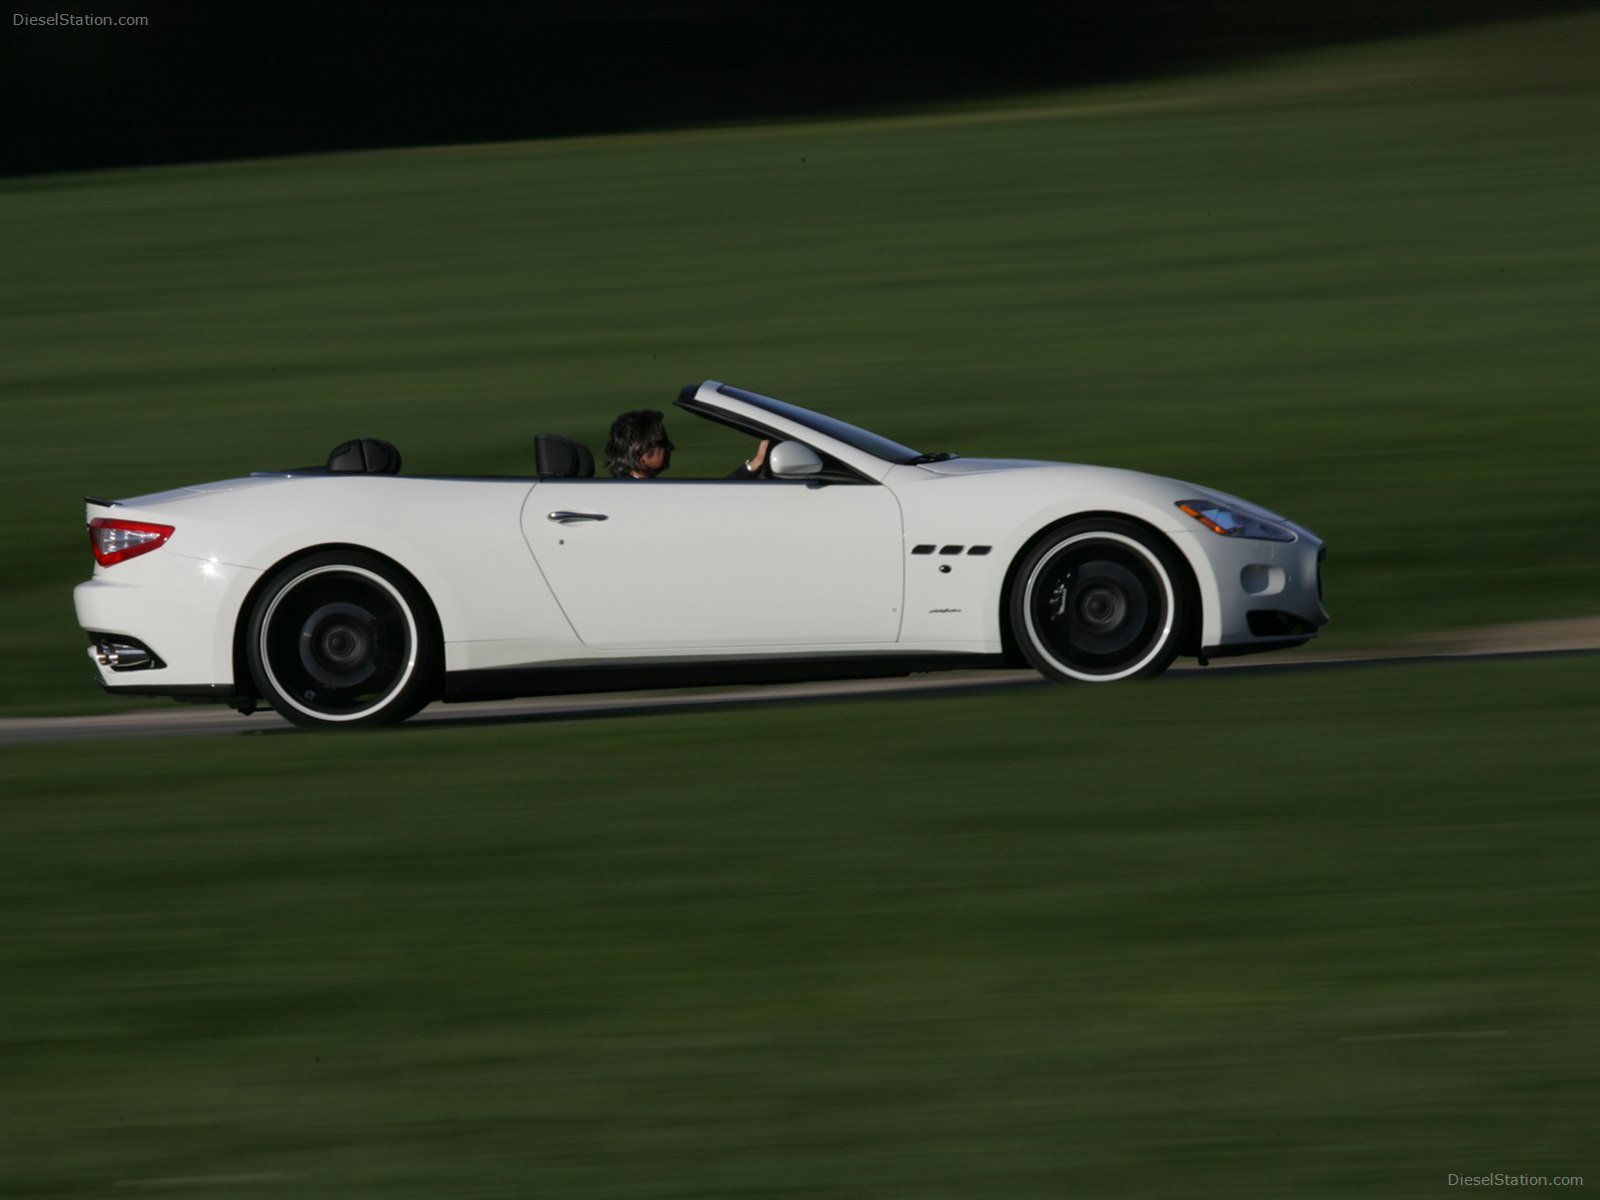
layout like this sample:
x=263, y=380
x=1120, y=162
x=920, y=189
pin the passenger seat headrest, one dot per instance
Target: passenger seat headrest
x=562, y=458
x=365, y=456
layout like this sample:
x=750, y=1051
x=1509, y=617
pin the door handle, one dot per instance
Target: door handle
x=565, y=517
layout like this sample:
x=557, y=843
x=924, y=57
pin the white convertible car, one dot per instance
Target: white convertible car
x=350, y=594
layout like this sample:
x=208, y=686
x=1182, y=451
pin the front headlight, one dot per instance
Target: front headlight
x=1234, y=522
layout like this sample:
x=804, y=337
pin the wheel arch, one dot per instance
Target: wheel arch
x=1188, y=638
x=244, y=683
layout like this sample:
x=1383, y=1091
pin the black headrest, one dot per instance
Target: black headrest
x=365, y=456
x=562, y=458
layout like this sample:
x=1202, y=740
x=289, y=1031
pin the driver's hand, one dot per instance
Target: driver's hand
x=759, y=458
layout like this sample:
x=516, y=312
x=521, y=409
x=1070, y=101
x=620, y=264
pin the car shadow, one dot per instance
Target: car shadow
x=1187, y=675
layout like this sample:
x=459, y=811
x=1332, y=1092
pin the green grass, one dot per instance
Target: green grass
x=1314, y=933
x=1356, y=286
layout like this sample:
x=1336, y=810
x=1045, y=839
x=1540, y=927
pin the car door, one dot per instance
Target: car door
x=662, y=565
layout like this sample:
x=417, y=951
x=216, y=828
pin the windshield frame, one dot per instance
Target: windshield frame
x=879, y=447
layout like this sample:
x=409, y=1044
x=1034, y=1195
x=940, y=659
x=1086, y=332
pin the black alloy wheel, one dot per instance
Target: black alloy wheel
x=1098, y=601
x=340, y=640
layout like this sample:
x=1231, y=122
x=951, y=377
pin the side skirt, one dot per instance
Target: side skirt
x=504, y=683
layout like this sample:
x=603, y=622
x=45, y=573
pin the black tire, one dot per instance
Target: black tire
x=1100, y=600
x=342, y=639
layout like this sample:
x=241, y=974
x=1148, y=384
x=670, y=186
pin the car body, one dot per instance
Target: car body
x=351, y=594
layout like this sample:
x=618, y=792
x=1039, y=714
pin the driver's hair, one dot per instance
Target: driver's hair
x=633, y=435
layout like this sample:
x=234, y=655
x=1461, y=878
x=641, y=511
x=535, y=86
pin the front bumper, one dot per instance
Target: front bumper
x=1258, y=595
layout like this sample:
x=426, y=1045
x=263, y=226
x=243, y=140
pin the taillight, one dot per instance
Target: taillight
x=114, y=541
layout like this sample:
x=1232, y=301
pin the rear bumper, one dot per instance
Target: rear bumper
x=181, y=610
x=219, y=694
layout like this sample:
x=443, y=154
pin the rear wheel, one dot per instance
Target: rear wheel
x=342, y=639
x=1098, y=601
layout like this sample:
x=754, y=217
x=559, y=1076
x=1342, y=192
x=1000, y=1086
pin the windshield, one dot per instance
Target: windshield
x=851, y=435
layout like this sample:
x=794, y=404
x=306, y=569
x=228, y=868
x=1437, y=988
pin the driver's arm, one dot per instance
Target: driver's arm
x=751, y=468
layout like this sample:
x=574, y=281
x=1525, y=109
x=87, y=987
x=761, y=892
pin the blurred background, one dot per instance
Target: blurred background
x=1309, y=932
x=202, y=80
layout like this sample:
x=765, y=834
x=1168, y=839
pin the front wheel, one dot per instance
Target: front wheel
x=1098, y=601
x=342, y=639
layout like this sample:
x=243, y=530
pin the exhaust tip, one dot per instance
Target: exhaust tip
x=117, y=652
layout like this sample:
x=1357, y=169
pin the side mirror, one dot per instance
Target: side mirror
x=792, y=460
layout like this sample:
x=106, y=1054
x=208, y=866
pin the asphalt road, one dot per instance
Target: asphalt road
x=156, y=719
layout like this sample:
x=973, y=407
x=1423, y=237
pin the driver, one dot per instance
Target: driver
x=639, y=448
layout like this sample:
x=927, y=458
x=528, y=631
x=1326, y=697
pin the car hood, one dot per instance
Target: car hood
x=982, y=466
x=977, y=466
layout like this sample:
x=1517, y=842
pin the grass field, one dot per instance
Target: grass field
x=1316, y=933
x=1357, y=286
